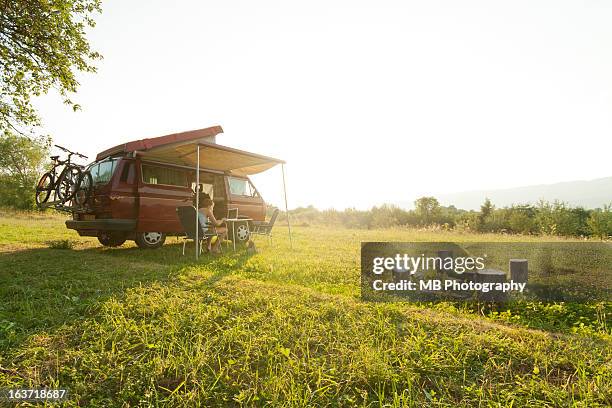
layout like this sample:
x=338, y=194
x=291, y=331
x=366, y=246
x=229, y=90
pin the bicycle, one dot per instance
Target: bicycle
x=65, y=185
x=84, y=188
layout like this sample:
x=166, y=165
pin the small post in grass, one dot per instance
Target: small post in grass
x=519, y=270
x=491, y=276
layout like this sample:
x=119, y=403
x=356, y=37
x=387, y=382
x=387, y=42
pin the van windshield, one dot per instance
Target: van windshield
x=241, y=187
x=101, y=172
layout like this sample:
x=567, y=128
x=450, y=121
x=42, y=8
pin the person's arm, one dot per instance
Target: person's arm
x=213, y=220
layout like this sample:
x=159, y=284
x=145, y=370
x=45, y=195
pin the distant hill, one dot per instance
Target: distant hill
x=588, y=194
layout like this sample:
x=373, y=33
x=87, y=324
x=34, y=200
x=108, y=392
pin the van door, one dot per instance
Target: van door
x=102, y=175
x=244, y=196
x=161, y=189
x=123, y=195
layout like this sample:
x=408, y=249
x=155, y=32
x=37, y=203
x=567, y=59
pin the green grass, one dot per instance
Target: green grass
x=125, y=327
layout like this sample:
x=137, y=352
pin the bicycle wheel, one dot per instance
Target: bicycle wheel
x=84, y=189
x=68, y=183
x=43, y=188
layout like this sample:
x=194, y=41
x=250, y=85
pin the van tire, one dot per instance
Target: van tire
x=111, y=238
x=243, y=234
x=150, y=240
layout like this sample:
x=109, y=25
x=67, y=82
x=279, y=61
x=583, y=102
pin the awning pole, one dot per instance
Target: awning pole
x=197, y=200
x=286, y=206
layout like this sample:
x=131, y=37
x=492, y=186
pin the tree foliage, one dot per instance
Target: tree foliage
x=600, y=222
x=21, y=162
x=42, y=47
x=486, y=209
x=545, y=218
x=427, y=208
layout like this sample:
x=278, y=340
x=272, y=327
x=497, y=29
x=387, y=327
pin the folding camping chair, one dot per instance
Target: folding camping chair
x=265, y=228
x=186, y=215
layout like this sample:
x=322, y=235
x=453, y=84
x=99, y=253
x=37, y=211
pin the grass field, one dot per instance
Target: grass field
x=126, y=327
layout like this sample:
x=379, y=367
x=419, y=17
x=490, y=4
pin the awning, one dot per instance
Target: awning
x=212, y=157
x=180, y=148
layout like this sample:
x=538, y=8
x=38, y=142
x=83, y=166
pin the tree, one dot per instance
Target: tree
x=486, y=209
x=600, y=222
x=42, y=47
x=559, y=219
x=521, y=219
x=427, y=209
x=21, y=161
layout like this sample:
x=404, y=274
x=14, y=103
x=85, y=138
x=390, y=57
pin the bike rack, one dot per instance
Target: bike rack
x=63, y=207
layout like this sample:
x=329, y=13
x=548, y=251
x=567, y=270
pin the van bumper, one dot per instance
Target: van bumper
x=102, y=225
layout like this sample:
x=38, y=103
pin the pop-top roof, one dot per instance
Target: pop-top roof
x=181, y=148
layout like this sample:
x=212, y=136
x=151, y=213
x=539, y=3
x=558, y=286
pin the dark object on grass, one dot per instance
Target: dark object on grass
x=519, y=270
x=251, y=248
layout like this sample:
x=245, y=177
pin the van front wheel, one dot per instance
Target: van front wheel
x=150, y=240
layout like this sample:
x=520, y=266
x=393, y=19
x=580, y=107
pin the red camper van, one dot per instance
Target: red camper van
x=138, y=185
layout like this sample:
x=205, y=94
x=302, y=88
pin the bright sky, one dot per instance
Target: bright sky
x=368, y=101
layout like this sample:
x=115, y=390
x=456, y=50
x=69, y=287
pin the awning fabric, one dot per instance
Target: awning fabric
x=181, y=148
x=213, y=157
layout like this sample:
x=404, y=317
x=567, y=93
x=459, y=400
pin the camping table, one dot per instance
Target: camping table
x=233, y=221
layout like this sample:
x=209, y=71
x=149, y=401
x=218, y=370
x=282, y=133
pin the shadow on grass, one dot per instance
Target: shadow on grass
x=42, y=289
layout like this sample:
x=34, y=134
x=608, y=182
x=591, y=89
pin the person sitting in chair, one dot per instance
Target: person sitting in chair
x=206, y=209
x=203, y=195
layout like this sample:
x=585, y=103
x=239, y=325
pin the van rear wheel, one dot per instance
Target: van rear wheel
x=111, y=238
x=150, y=240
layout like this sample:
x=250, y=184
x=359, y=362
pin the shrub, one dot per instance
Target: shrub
x=61, y=244
x=558, y=219
x=521, y=219
x=600, y=222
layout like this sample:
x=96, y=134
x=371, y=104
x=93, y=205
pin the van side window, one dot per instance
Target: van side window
x=241, y=187
x=164, y=175
x=127, y=174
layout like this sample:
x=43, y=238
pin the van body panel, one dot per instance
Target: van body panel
x=124, y=192
x=157, y=210
x=248, y=207
x=158, y=202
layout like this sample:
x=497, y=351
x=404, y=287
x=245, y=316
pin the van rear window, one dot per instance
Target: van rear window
x=164, y=175
x=101, y=172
